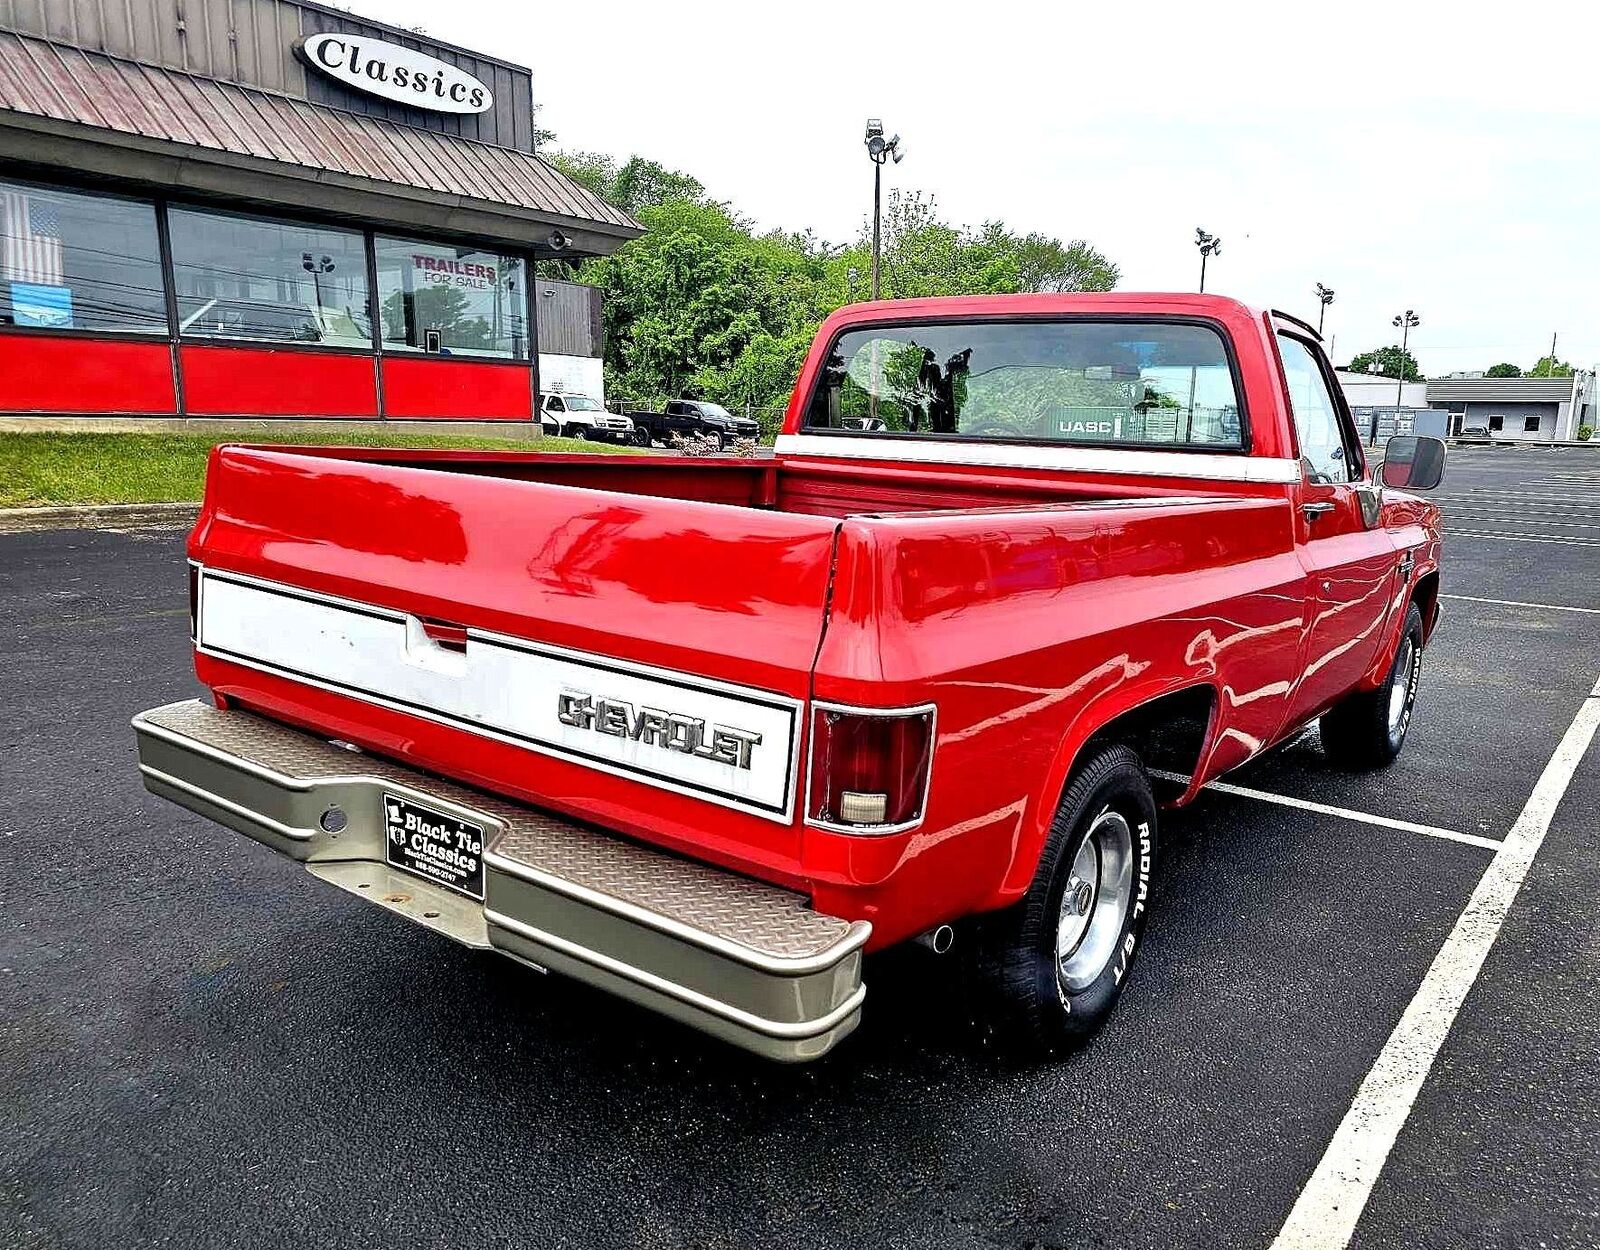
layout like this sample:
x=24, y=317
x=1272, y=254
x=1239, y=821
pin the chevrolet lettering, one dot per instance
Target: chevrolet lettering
x=666, y=730
x=1023, y=573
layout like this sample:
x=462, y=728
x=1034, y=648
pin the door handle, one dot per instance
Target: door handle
x=1314, y=510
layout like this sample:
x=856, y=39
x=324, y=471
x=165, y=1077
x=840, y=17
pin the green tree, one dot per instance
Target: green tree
x=1550, y=367
x=1502, y=371
x=1391, y=362
x=702, y=306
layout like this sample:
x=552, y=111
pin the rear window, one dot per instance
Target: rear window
x=1075, y=381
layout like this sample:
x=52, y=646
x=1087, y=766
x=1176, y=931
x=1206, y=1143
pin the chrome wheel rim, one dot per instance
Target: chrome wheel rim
x=1094, y=902
x=1400, y=684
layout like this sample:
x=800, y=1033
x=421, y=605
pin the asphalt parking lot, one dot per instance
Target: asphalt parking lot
x=202, y=1046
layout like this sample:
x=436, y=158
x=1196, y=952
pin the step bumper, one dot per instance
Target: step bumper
x=737, y=958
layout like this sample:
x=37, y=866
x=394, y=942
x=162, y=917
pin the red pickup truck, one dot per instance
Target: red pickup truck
x=1023, y=571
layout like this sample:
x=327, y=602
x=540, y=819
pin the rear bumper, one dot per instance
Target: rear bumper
x=734, y=957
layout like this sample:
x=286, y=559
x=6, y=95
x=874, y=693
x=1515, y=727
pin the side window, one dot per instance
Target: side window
x=1323, y=452
x=674, y=409
x=557, y=404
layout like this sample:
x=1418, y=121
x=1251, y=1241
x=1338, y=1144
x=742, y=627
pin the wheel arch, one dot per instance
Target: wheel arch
x=1169, y=728
x=1425, y=594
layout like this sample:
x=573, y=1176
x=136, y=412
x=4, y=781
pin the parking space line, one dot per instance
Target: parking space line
x=1479, y=518
x=1556, y=540
x=1518, y=603
x=1346, y=813
x=1325, y=1215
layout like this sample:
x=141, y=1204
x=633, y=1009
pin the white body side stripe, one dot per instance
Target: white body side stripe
x=1192, y=464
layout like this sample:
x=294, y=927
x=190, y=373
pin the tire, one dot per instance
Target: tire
x=641, y=438
x=1367, y=729
x=1054, y=965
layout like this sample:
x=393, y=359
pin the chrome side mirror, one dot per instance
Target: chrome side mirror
x=1413, y=462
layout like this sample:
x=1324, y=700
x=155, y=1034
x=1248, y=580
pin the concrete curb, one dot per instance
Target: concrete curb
x=109, y=516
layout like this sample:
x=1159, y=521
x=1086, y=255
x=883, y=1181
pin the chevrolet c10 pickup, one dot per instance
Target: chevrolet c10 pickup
x=1023, y=572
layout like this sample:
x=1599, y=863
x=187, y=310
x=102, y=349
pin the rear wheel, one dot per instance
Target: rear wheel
x=1056, y=963
x=641, y=438
x=1369, y=727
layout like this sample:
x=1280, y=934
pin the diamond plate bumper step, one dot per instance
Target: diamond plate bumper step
x=737, y=958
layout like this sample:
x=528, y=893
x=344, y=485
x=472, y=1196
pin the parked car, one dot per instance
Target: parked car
x=579, y=416
x=694, y=416
x=702, y=732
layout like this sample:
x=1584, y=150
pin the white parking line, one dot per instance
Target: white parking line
x=1346, y=813
x=1482, y=518
x=1518, y=603
x=1324, y=1217
x=1554, y=540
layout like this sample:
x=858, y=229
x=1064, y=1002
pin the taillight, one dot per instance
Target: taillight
x=869, y=768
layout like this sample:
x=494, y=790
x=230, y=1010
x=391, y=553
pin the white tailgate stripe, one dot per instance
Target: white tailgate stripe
x=518, y=690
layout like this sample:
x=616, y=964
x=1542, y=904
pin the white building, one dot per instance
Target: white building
x=1368, y=390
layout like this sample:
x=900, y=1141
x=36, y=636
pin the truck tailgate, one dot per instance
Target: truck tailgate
x=540, y=640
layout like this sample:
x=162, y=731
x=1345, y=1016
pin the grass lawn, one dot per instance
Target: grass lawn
x=48, y=468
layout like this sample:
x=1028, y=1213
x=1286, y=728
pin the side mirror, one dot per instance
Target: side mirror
x=1413, y=462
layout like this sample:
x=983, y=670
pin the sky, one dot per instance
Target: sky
x=1441, y=158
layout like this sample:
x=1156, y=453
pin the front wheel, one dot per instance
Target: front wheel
x=1057, y=962
x=1368, y=728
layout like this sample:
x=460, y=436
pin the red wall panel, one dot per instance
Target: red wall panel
x=43, y=373
x=269, y=382
x=447, y=389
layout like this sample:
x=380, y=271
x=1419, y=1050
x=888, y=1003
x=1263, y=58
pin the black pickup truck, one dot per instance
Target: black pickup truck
x=693, y=416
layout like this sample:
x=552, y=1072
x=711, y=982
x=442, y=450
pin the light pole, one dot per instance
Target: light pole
x=1324, y=297
x=880, y=150
x=316, y=266
x=1406, y=321
x=1210, y=245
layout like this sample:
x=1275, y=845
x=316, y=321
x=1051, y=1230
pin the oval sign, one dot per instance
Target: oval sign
x=392, y=72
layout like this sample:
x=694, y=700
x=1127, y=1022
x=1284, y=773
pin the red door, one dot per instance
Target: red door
x=1348, y=558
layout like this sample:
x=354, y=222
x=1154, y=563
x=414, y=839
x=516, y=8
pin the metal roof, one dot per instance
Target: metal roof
x=91, y=89
x=1500, y=390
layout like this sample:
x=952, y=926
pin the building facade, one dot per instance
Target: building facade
x=260, y=208
x=1516, y=409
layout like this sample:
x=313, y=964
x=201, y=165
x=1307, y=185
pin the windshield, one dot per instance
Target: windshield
x=713, y=410
x=581, y=403
x=1077, y=381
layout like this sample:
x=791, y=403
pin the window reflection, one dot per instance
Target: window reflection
x=434, y=297
x=79, y=262
x=279, y=281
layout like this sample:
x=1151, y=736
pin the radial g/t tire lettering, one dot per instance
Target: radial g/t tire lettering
x=1053, y=966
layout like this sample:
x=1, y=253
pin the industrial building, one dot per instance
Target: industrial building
x=264, y=208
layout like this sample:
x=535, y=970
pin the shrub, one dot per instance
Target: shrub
x=1585, y=433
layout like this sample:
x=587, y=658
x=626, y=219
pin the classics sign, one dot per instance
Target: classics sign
x=392, y=72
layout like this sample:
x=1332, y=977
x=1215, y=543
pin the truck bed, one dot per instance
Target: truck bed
x=767, y=484
x=433, y=607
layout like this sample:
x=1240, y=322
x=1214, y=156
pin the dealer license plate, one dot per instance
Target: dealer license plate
x=434, y=845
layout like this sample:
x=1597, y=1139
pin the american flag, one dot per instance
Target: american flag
x=31, y=228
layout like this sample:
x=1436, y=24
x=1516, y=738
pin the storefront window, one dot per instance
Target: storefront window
x=451, y=300
x=79, y=262
x=282, y=281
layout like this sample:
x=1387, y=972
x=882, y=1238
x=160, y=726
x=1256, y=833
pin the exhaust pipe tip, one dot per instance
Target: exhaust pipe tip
x=938, y=939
